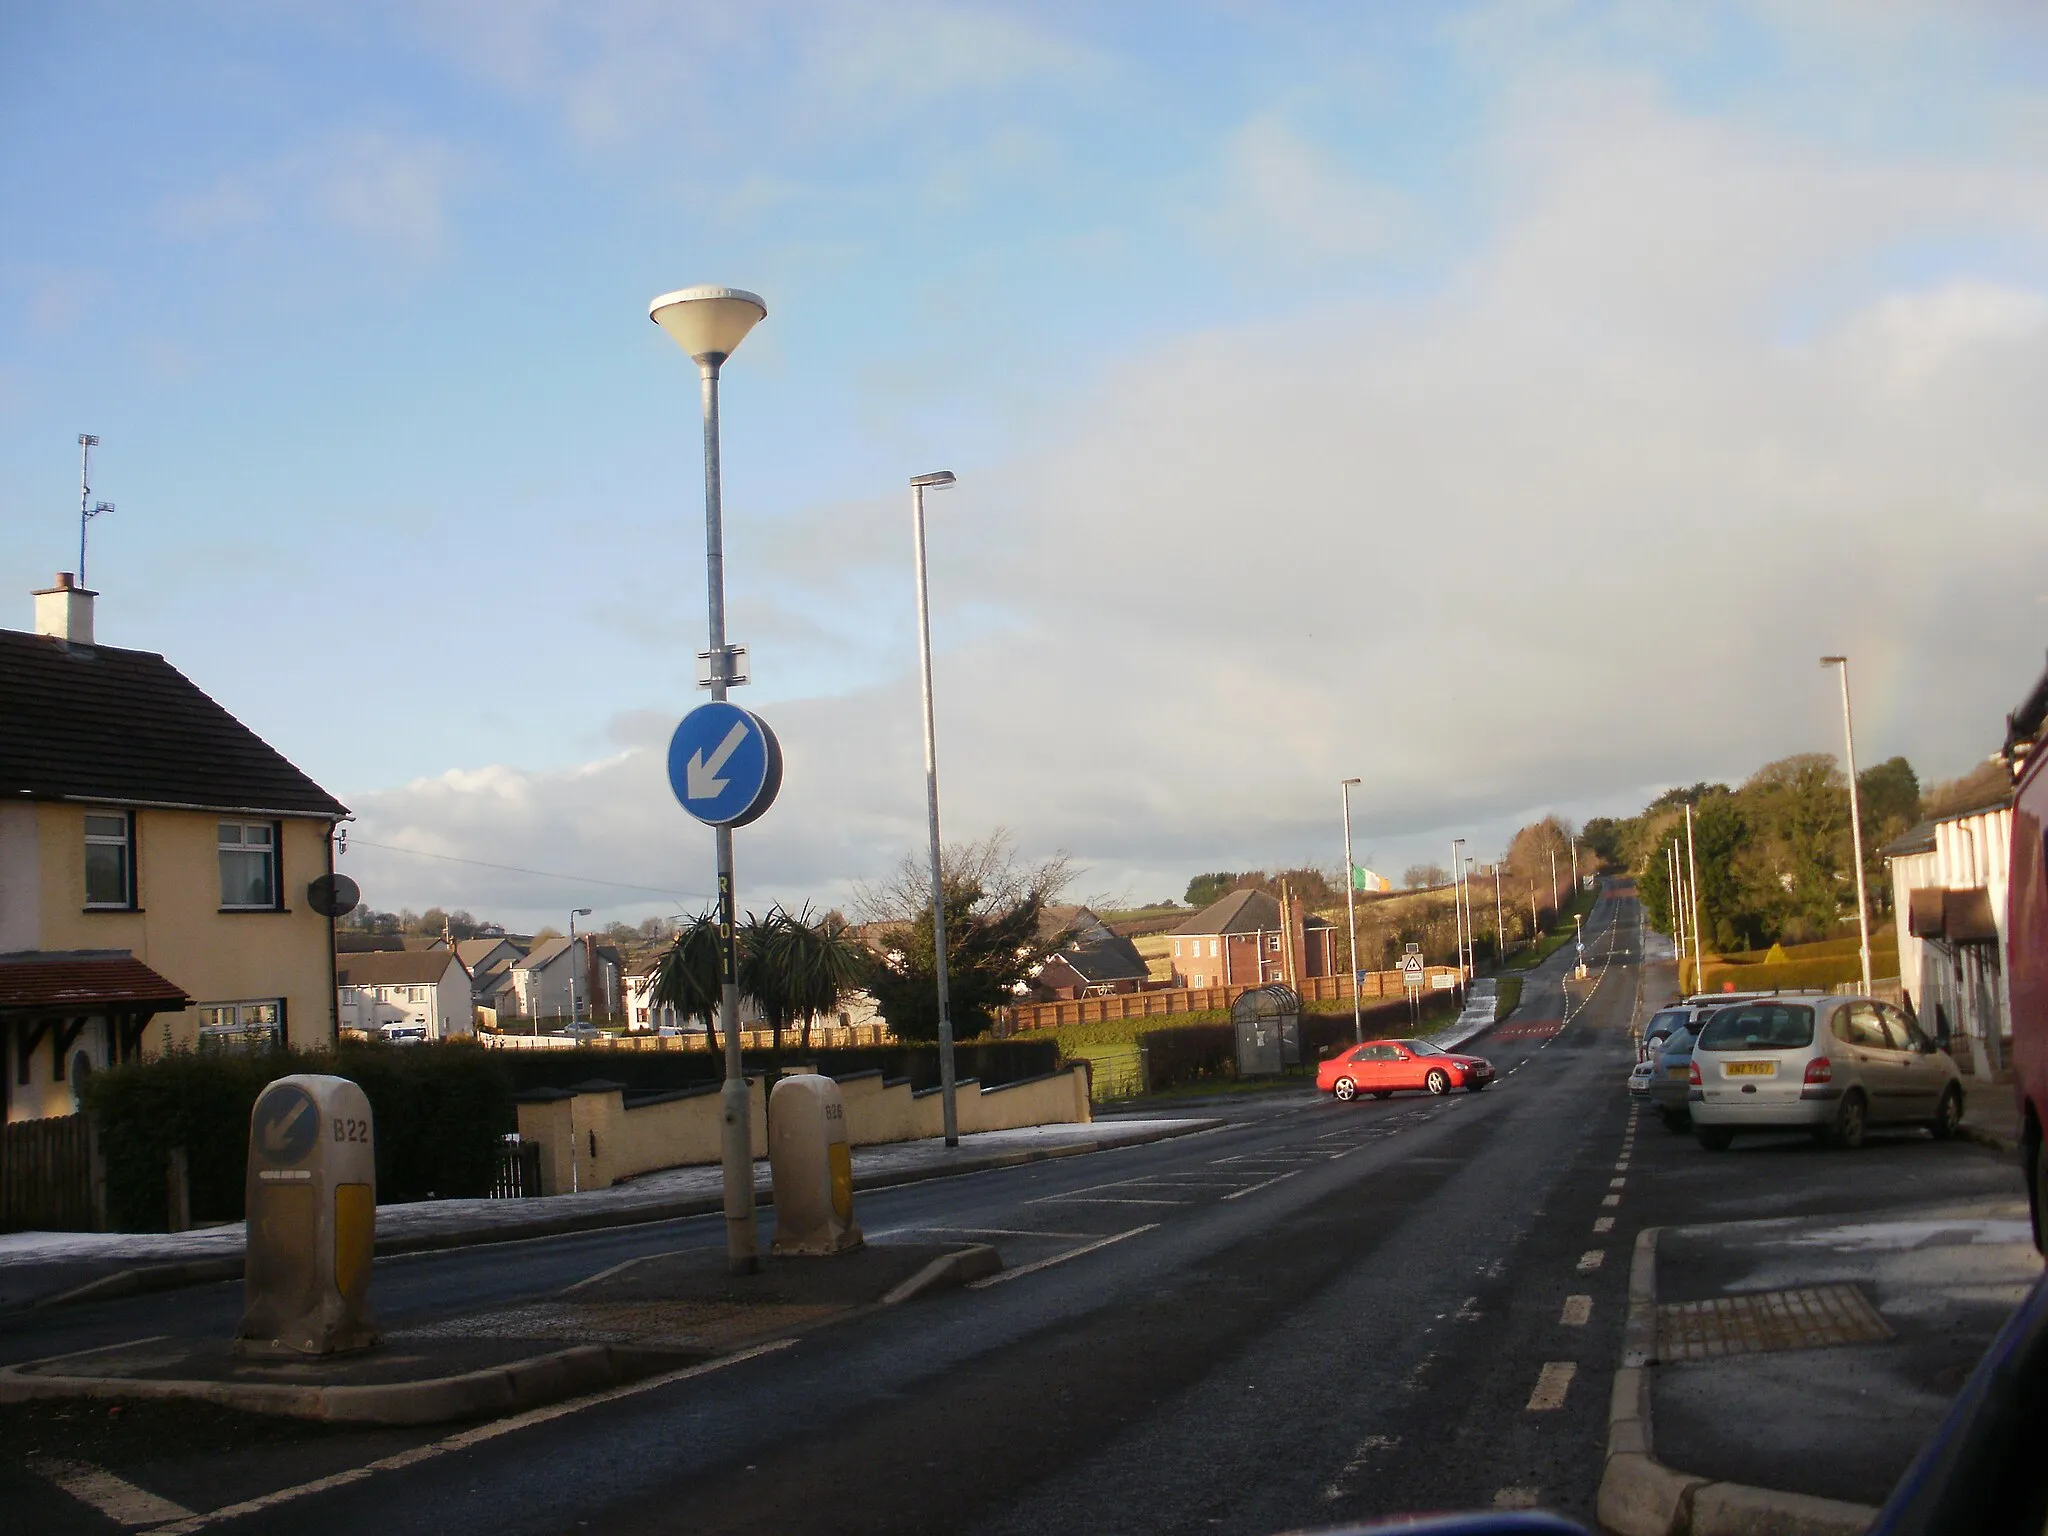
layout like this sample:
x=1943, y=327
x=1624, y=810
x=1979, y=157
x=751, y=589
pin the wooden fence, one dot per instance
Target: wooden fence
x=1376, y=986
x=46, y=1175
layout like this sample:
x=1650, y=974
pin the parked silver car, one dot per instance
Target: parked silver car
x=1830, y=1065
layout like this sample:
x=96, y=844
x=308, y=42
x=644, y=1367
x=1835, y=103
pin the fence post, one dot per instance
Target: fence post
x=178, y=1189
x=96, y=1172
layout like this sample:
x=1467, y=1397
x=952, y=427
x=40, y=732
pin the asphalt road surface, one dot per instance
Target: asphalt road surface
x=1316, y=1313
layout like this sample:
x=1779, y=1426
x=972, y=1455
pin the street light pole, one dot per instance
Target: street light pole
x=949, y=1115
x=1351, y=910
x=574, y=913
x=708, y=323
x=1458, y=904
x=1692, y=883
x=1855, y=817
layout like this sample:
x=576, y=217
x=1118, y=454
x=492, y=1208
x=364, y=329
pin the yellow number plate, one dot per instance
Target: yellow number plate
x=1750, y=1069
x=1678, y=1072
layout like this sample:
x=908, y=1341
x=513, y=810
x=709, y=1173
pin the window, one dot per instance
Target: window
x=1759, y=1027
x=109, y=859
x=1858, y=1024
x=241, y=1026
x=1212, y=949
x=248, y=865
x=1274, y=943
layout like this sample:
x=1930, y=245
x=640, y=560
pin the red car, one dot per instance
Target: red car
x=1379, y=1067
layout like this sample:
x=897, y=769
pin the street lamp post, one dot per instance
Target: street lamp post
x=1692, y=885
x=1458, y=904
x=938, y=479
x=708, y=323
x=1855, y=817
x=1351, y=909
x=574, y=913
x=1471, y=919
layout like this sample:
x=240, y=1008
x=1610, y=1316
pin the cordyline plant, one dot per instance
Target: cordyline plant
x=795, y=967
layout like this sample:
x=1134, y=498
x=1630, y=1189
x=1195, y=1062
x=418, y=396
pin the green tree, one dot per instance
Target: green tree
x=690, y=974
x=1204, y=890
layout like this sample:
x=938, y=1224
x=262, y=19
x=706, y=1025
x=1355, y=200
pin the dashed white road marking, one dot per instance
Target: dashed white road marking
x=1610, y=1199
x=1468, y=1310
x=1255, y=1188
x=115, y=1497
x=1603, y=1224
x=1022, y=1270
x=1578, y=1311
x=1338, y=1486
x=1617, y=1183
x=1517, y=1498
x=1552, y=1383
x=1591, y=1260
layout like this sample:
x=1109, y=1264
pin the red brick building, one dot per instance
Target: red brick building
x=1242, y=941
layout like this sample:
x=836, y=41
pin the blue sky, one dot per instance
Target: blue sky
x=1503, y=402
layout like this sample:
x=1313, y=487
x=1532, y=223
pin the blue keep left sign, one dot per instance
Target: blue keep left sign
x=724, y=764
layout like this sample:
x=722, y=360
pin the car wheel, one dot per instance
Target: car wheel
x=1948, y=1115
x=1383, y=1093
x=2039, y=1192
x=1438, y=1081
x=1345, y=1089
x=1851, y=1120
x=1716, y=1138
x=1676, y=1121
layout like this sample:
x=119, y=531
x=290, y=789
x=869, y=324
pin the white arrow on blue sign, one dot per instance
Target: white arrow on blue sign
x=724, y=764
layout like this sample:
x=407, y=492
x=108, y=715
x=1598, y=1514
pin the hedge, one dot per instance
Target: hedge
x=992, y=1062
x=439, y=1111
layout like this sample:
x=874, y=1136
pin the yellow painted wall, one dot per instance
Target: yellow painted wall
x=180, y=931
x=613, y=1142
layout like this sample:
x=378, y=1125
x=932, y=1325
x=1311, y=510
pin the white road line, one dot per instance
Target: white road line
x=115, y=1497
x=1551, y=1385
x=1337, y=1487
x=1591, y=1260
x=1517, y=1498
x=469, y=1437
x=1617, y=1183
x=1254, y=1189
x=1578, y=1311
x=1610, y=1199
x=974, y=1232
x=1022, y=1270
x=1110, y=1200
x=1603, y=1224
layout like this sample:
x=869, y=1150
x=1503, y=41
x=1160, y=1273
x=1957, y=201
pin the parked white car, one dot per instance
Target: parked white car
x=1830, y=1065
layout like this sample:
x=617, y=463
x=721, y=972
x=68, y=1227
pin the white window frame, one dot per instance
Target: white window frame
x=126, y=843
x=241, y=846
x=242, y=1025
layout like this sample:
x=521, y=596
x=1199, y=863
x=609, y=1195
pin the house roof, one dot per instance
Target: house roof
x=1917, y=839
x=1114, y=959
x=100, y=723
x=392, y=968
x=542, y=955
x=89, y=979
x=473, y=952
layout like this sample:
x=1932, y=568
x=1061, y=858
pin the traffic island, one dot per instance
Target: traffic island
x=1759, y=1357
x=657, y=1314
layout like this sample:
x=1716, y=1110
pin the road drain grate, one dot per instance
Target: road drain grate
x=1806, y=1317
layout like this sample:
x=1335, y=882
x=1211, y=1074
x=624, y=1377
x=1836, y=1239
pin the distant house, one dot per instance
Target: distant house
x=541, y=979
x=1094, y=962
x=1243, y=941
x=427, y=987
x=1949, y=878
x=642, y=1012
x=155, y=859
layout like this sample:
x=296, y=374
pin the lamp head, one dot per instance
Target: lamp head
x=1834, y=661
x=583, y=911
x=937, y=478
x=708, y=322
x=1351, y=781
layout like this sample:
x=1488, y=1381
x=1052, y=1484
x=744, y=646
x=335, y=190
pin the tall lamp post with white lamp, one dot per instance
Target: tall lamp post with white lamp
x=1351, y=910
x=708, y=323
x=1855, y=817
x=919, y=484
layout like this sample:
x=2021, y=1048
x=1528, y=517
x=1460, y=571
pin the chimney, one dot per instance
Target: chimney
x=64, y=612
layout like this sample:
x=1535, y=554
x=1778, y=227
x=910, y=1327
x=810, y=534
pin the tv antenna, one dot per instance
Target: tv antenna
x=86, y=510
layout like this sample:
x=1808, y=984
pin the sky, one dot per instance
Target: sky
x=1505, y=404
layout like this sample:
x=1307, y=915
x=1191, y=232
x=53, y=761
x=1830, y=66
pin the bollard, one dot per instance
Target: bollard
x=812, y=1166
x=312, y=1220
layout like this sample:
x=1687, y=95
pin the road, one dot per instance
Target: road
x=1315, y=1313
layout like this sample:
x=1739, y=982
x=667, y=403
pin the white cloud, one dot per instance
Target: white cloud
x=1578, y=523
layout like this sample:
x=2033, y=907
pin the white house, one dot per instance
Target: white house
x=383, y=987
x=1949, y=878
x=541, y=979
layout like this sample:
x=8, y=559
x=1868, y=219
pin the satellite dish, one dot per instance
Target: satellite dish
x=333, y=895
